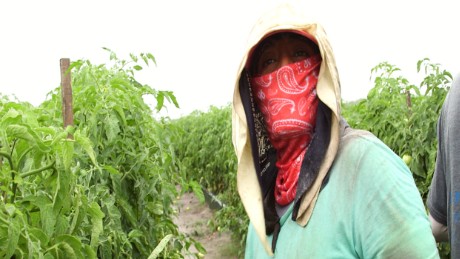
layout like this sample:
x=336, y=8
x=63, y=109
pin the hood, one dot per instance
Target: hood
x=282, y=18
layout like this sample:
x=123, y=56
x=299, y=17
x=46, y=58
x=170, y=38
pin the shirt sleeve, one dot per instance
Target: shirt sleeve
x=437, y=196
x=444, y=195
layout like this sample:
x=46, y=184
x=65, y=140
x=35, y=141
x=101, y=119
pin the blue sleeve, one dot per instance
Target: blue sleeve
x=444, y=196
x=437, y=196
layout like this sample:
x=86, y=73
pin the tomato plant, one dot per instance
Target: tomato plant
x=106, y=193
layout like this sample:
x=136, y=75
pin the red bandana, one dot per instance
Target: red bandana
x=287, y=99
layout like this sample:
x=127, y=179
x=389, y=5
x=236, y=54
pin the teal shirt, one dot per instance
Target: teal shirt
x=370, y=208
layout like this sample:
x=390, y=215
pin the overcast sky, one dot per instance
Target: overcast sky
x=198, y=44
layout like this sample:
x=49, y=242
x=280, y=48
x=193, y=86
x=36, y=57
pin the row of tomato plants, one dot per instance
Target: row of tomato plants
x=105, y=192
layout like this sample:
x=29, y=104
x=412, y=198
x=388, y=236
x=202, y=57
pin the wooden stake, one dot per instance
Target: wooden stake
x=66, y=90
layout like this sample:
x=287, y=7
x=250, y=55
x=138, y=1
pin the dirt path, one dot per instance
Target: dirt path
x=193, y=218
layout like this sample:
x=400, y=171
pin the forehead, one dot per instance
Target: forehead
x=275, y=38
x=285, y=36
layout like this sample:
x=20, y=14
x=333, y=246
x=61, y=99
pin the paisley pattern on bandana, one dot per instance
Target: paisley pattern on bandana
x=288, y=101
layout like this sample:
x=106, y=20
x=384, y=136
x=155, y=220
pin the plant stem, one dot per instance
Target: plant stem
x=36, y=171
x=7, y=157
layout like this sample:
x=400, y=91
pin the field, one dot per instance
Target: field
x=106, y=185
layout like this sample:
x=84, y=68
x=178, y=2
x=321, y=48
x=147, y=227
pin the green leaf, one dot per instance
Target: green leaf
x=71, y=245
x=63, y=188
x=160, y=247
x=68, y=251
x=135, y=233
x=10, y=209
x=156, y=208
x=86, y=144
x=145, y=58
x=151, y=57
x=200, y=248
x=13, y=236
x=111, y=127
x=62, y=225
x=133, y=57
x=12, y=116
x=60, y=136
x=96, y=219
x=48, y=219
x=19, y=131
x=106, y=250
x=38, y=235
x=137, y=67
x=121, y=114
x=28, y=134
x=196, y=187
x=120, y=83
x=89, y=252
x=128, y=211
x=160, y=100
x=111, y=170
x=171, y=97
x=67, y=154
x=80, y=203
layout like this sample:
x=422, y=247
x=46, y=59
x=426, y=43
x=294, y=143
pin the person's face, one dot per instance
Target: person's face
x=280, y=50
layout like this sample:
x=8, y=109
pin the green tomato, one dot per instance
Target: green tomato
x=407, y=159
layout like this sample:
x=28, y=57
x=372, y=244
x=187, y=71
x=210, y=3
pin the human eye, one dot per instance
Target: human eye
x=301, y=53
x=267, y=62
x=266, y=65
x=267, y=58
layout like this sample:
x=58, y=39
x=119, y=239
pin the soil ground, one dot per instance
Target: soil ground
x=193, y=218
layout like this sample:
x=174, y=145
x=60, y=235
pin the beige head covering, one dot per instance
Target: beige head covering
x=328, y=89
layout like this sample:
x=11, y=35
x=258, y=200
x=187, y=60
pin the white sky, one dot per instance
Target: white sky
x=198, y=44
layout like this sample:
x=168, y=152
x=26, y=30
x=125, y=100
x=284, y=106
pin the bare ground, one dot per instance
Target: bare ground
x=193, y=218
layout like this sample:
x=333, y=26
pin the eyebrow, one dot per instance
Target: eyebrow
x=267, y=42
x=263, y=47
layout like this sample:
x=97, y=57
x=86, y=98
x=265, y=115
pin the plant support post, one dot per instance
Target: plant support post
x=66, y=90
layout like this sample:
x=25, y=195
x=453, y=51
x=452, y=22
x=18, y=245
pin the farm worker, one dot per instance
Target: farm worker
x=444, y=196
x=312, y=186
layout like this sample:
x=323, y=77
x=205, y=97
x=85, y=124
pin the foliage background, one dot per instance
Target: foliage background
x=107, y=192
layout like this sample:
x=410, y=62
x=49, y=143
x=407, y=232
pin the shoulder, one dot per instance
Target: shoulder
x=364, y=157
x=360, y=146
x=450, y=106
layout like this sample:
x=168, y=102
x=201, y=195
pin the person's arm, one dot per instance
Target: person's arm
x=440, y=232
x=437, y=195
